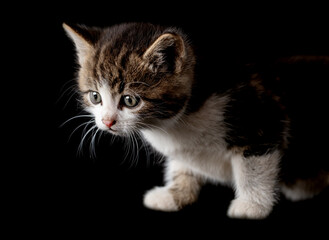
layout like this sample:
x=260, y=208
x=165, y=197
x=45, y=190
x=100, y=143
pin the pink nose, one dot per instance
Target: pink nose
x=108, y=123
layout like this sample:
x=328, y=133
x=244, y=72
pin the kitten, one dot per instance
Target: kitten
x=234, y=128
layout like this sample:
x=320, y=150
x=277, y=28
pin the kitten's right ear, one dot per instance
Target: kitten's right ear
x=84, y=39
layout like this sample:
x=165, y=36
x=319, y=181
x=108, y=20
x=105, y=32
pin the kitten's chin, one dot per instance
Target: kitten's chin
x=110, y=130
x=116, y=132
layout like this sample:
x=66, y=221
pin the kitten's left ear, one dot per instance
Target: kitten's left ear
x=166, y=54
x=84, y=39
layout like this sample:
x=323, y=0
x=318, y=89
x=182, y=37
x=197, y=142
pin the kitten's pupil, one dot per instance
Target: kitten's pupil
x=130, y=101
x=95, y=97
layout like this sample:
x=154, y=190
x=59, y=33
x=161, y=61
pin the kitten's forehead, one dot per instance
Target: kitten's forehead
x=117, y=56
x=119, y=70
x=105, y=64
x=110, y=66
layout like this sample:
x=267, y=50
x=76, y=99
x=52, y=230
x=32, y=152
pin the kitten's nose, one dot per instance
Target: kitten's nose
x=109, y=123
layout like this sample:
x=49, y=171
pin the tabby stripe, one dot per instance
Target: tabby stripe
x=124, y=60
x=114, y=82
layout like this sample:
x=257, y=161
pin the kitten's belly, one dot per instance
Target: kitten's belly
x=208, y=160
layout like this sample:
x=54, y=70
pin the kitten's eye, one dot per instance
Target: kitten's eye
x=130, y=101
x=95, y=97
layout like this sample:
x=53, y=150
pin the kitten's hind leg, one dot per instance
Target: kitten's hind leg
x=182, y=188
x=255, y=182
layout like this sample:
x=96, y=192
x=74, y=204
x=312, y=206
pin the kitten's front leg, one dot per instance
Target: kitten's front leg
x=255, y=181
x=182, y=188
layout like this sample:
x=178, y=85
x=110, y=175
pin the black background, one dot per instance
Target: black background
x=51, y=188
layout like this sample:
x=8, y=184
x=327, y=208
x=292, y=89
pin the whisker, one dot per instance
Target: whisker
x=146, y=148
x=92, y=146
x=84, y=137
x=127, y=146
x=135, y=143
x=70, y=91
x=70, y=88
x=78, y=116
x=85, y=123
x=69, y=99
x=136, y=149
x=132, y=150
x=99, y=136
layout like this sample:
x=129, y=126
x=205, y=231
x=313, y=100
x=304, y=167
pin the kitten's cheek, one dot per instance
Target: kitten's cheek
x=101, y=125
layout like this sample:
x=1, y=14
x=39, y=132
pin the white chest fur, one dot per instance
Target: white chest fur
x=197, y=141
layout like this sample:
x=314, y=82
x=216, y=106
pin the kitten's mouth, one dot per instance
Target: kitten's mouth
x=114, y=132
x=109, y=130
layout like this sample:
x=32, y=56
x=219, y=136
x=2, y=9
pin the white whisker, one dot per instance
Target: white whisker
x=127, y=146
x=136, y=148
x=99, y=136
x=70, y=89
x=84, y=137
x=78, y=116
x=146, y=146
x=92, y=146
x=83, y=124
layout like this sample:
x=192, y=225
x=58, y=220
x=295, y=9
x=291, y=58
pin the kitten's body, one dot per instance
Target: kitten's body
x=235, y=128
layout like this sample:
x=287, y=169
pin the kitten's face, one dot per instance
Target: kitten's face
x=114, y=112
x=132, y=76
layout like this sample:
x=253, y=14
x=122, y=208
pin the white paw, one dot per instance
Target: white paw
x=159, y=198
x=244, y=209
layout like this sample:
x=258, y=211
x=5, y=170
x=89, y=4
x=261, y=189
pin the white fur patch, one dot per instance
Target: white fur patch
x=159, y=198
x=247, y=209
x=196, y=144
x=295, y=194
x=191, y=142
x=255, y=180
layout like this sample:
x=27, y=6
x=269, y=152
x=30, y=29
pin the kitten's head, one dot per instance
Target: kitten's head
x=134, y=75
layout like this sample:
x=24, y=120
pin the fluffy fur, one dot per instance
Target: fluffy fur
x=235, y=130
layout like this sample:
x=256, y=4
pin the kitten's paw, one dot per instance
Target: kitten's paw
x=244, y=209
x=159, y=198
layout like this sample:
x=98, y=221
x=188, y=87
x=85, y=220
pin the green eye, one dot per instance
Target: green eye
x=95, y=97
x=130, y=101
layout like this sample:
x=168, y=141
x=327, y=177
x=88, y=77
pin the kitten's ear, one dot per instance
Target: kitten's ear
x=84, y=39
x=166, y=54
